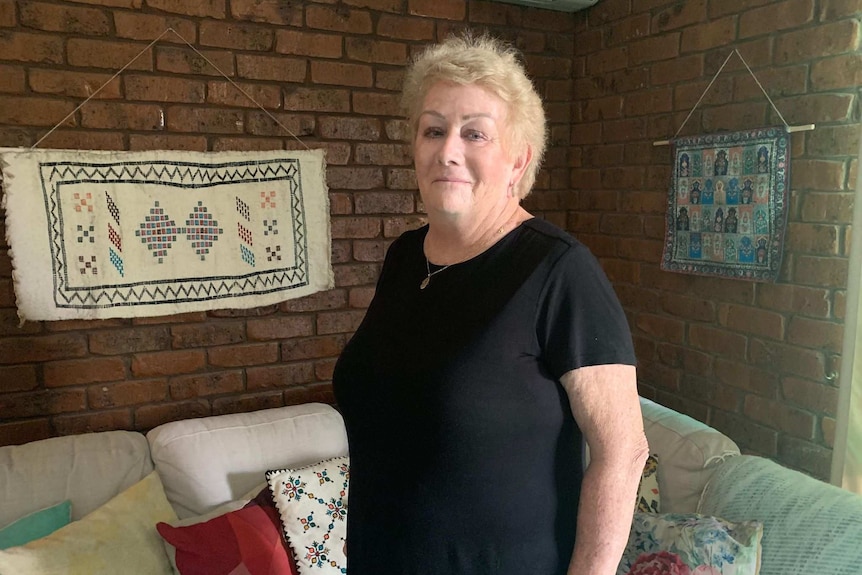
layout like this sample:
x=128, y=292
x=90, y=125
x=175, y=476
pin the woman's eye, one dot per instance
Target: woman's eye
x=433, y=132
x=474, y=135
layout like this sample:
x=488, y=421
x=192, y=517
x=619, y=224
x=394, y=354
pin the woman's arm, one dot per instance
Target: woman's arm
x=604, y=402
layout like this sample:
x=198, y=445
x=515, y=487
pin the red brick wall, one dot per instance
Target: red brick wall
x=330, y=72
x=757, y=361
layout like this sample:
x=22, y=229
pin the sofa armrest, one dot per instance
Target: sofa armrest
x=688, y=453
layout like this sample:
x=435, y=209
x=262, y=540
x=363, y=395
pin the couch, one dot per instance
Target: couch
x=205, y=464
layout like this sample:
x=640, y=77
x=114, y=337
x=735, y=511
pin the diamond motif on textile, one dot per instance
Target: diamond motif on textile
x=202, y=230
x=158, y=232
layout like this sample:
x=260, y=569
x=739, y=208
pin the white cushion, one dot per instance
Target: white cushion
x=688, y=452
x=87, y=469
x=209, y=461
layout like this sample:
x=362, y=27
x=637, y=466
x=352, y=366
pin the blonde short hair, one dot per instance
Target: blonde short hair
x=494, y=66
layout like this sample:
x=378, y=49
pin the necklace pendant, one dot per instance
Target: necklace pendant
x=425, y=282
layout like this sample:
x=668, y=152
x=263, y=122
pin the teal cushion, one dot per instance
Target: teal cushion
x=36, y=525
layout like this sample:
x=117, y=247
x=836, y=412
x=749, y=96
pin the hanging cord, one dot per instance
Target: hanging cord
x=759, y=85
x=198, y=52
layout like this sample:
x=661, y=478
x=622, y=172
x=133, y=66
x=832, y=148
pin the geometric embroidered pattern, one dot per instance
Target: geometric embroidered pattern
x=177, y=207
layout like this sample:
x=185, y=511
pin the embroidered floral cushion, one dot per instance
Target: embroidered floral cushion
x=649, y=500
x=691, y=544
x=312, y=504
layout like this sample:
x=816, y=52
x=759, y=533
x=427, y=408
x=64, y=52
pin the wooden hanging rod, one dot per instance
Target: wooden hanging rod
x=802, y=128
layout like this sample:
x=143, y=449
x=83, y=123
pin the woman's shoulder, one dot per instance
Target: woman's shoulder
x=545, y=231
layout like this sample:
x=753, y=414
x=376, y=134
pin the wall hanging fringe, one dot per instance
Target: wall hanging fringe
x=801, y=128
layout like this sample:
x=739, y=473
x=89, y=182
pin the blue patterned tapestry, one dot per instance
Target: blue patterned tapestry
x=727, y=204
x=131, y=234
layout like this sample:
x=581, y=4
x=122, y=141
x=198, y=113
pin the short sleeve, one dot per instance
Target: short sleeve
x=580, y=320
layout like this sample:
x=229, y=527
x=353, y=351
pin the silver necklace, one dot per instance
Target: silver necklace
x=427, y=279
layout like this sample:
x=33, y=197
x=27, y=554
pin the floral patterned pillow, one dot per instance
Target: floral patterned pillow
x=691, y=544
x=312, y=504
x=649, y=500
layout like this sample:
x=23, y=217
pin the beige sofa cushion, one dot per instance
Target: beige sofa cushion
x=688, y=453
x=87, y=469
x=209, y=461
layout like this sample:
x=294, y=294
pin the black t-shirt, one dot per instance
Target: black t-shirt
x=465, y=457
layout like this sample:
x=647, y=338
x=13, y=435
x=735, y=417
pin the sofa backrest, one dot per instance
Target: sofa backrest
x=688, y=453
x=209, y=461
x=87, y=469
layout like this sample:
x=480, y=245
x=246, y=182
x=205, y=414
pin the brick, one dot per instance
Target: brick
x=394, y=227
x=92, y=422
x=627, y=30
x=282, y=327
x=444, y=9
x=7, y=15
x=314, y=393
x=247, y=402
x=654, y=48
x=392, y=80
x=247, y=96
x=41, y=403
x=704, y=390
x=734, y=116
x=339, y=321
x=40, y=348
x=752, y=320
x=324, y=369
x=308, y=44
x=360, y=297
x=547, y=20
x=812, y=302
x=806, y=456
x=207, y=334
x=342, y=74
x=204, y=8
x=167, y=142
x=686, y=95
x=12, y=79
x=693, y=308
x=383, y=154
x=662, y=328
x=820, y=239
x=648, y=102
x=26, y=47
x=356, y=274
x=273, y=13
x=82, y=140
x=66, y=19
x=376, y=104
x=164, y=89
x=279, y=69
x=662, y=377
x=624, y=130
x=378, y=5
x=820, y=271
x=83, y=371
x=639, y=249
x=163, y=363
x=20, y=432
x=827, y=430
x=279, y=376
x=745, y=377
x=818, y=334
x=348, y=128
x=206, y=384
x=242, y=355
x=33, y=111
x=355, y=228
x=816, y=42
x=279, y=124
x=246, y=144
x=149, y=416
x=680, y=69
x=376, y=51
x=830, y=107
x=316, y=100
x=121, y=116
x=186, y=61
x=837, y=9
x=680, y=15
x=779, y=416
x=775, y=16
x=338, y=19
x=330, y=299
x=384, y=203
x=819, y=174
x=784, y=81
x=746, y=433
x=75, y=84
x=127, y=393
x=788, y=360
x=718, y=341
x=312, y=348
x=354, y=178
x=833, y=141
x=810, y=395
x=136, y=26
x=405, y=27
x=204, y=120
x=235, y=36
x=18, y=378
x=107, y=54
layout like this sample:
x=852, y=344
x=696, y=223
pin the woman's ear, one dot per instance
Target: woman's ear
x=520, y=166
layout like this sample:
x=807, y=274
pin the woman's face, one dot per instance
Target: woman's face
x=462, y=163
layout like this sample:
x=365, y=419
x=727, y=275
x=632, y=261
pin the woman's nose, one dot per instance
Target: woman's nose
x=451, y=150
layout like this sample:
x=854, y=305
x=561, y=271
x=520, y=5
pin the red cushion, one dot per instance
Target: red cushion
x=247, y=541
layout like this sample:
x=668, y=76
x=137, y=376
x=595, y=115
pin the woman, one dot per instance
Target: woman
x=494, y=345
